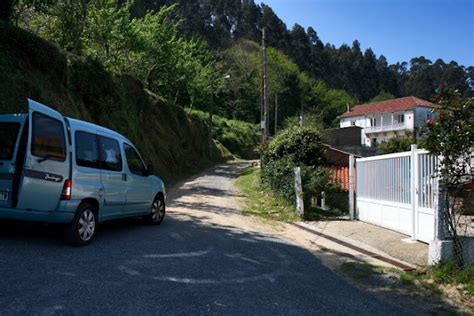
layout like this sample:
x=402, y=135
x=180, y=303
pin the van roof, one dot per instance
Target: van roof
x=78, y=124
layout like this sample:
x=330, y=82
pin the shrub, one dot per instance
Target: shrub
x=295, y=146
x=396, y=145
x=301, y=145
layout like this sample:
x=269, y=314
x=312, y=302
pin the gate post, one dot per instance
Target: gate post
x=414, y=188
x=351, y=187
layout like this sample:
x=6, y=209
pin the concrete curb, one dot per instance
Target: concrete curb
x=356, y=245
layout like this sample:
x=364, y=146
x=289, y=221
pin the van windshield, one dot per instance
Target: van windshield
x=8, y=135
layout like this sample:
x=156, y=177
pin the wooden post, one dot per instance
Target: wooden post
x=299, y=191
x=351, y=187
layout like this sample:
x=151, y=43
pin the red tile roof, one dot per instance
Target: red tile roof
x=400, y=104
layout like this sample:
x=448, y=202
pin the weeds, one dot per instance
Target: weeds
x=261, y=201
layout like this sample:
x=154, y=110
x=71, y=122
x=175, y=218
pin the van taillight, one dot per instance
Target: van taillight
x=66, y=194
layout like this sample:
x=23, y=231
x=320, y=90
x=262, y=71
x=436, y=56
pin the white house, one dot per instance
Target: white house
x=381, y=121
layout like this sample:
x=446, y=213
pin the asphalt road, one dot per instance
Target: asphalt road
x=188, y=265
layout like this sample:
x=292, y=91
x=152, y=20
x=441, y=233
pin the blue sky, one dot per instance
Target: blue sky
x=398, y=29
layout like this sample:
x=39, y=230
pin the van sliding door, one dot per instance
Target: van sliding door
x=47, y=162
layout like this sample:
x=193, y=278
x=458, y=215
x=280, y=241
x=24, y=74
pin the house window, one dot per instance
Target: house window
x=373, y=122
x=429, y=116
x=400, y=118
x=353, y=123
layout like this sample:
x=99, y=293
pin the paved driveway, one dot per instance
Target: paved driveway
x=204, y=258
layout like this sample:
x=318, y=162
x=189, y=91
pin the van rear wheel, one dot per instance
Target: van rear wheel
x=158, y=211
x=82, y=229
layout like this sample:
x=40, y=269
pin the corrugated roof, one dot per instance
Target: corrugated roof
x=400, y=104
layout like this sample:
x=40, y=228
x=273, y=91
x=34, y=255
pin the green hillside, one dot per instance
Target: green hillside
x=173, y=141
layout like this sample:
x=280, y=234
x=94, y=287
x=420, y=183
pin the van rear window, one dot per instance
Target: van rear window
x=8, y=136
x=48, y=138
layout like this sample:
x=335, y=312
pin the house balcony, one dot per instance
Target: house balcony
x=386, y=128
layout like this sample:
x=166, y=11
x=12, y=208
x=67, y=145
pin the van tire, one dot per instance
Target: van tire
x=158, y=211
x=81, y=230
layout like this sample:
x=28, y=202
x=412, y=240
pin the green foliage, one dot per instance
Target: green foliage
x=310, y=120
x=261, y=201
x=396, y=145
x=80, y=87
x=382, y=96
x=301, y=145
x=316, y=179
x=150, y=48
x=296, y=146
x=448, y=272
x=239, y=137
x=324, y=102
x=451, y=135
x=244, y=64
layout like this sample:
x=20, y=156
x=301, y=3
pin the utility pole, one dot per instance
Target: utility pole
x=276, y=113
x=265, y=121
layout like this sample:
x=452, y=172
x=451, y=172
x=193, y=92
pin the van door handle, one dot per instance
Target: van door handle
x=124, y=177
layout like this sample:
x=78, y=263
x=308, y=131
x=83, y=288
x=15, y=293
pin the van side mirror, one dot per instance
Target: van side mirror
x=150, y=170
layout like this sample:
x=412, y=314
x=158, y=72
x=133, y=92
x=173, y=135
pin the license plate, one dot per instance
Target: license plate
x=3, y=196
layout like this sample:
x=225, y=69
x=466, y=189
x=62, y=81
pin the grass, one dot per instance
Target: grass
x=432, y=284
x=424, y=286
x=447, y=273
x=261, y=201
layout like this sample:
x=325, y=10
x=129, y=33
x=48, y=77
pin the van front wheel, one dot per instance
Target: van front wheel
x=82, y=229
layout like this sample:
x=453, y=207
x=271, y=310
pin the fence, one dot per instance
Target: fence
x=340, y=177
x=397, y=191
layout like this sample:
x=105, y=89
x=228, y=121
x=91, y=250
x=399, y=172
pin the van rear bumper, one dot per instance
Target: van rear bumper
x=63, y=214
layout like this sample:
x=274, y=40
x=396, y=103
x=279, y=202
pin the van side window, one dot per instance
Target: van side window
x=110, y=156
x=87, y=150
x=135, y=164
x=48, y=138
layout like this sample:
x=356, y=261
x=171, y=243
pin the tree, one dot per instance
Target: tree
x=382, y=96
x=317, y=58
x=451, y=137
x=421, y=82
x=370, y=77
x=109, y=35
x=300, y=47
x=248, y=22
x=61, y=22
x=277, y=33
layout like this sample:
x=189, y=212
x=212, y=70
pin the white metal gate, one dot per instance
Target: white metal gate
x=397, y=191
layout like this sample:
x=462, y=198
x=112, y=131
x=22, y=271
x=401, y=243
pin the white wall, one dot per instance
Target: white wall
x=360, y=121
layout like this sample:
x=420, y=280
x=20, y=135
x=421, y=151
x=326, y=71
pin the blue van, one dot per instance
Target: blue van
x=60, y=170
